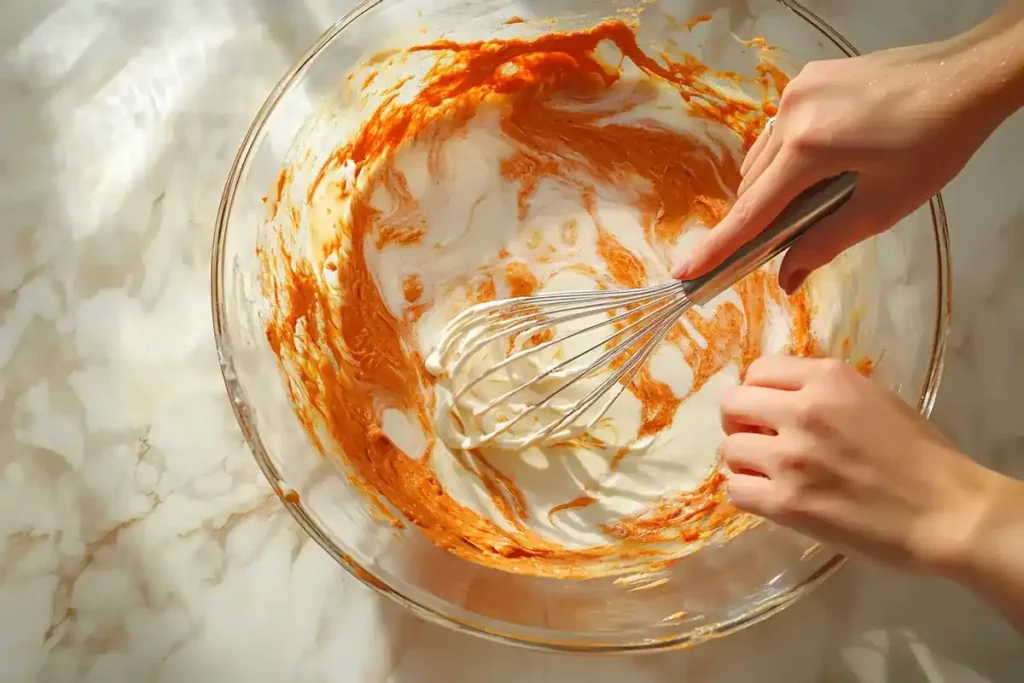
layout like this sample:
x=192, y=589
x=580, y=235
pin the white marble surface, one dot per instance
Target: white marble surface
x=138, y=540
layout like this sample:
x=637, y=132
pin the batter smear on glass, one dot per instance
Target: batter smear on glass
x=509, y=167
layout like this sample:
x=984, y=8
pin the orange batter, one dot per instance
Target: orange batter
x=348, y=358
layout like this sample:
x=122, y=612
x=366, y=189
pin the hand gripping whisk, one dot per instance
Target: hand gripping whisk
x=560, y=353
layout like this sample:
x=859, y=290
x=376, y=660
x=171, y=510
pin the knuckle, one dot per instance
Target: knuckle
x=742, y=212
x=802, y=84
x=757, y=369
x=793, y=461
x=809, y=134
x=729, y=451
x=794, y=91
x=791, y=502
x=786, y=503
x=813, y=69
x=832, y=365
x=791, y=96
x=730, y=399
x=834, y=369
x=808, y=413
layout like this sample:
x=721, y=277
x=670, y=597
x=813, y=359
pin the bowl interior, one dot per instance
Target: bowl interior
x=896, y=283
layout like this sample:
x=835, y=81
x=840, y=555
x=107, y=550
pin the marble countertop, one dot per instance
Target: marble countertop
x=138, y=539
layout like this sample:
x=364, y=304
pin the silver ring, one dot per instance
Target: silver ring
x=768, y=125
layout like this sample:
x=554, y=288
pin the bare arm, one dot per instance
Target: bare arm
x=992, y=560
x=798, y=454
x=905, y=120
x=993, y=53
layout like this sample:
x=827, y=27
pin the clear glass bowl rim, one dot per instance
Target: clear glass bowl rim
x=240, y=405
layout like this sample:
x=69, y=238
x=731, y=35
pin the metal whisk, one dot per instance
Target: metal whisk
x=615, y=332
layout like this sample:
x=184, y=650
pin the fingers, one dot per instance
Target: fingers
x=755, y=150
x=744, y=407
x=776, y=187
x=748, y=453
x=757, y=168
x=853, y=223
x=755, y=164
x=751, y=493
x=785, y=373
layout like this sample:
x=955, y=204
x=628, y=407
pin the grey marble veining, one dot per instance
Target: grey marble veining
x=138, y=540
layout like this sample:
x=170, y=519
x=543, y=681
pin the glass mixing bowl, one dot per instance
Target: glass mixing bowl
x=901, y=279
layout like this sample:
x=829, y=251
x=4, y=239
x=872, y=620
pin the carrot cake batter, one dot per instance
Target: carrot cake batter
x=476, y=171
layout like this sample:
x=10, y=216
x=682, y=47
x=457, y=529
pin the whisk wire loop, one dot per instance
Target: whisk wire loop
x=541, y=319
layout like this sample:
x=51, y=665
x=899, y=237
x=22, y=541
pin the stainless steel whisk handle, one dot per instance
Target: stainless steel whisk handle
x=813, y=204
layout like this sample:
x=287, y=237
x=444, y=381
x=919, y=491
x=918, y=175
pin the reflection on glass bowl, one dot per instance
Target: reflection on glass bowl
x=888, y=301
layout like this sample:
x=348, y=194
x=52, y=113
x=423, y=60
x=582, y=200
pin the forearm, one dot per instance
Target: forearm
x=992, y=561
x=991, y=58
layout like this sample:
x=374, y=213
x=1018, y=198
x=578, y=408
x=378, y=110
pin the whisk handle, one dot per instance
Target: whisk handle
x=820, y=200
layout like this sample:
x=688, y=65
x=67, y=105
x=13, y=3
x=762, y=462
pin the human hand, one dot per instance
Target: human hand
x=906, y=120
x=813, y=445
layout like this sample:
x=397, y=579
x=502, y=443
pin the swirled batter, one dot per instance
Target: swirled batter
x=505, y=168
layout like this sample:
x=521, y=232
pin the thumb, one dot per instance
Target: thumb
x=824, y=242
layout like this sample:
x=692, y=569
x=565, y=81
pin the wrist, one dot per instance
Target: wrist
x=992, y=525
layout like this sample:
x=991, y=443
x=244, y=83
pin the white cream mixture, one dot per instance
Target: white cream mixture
x=472, y=227
x=470, y=217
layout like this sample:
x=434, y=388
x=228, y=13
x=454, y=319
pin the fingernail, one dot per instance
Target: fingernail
x=795, y=280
